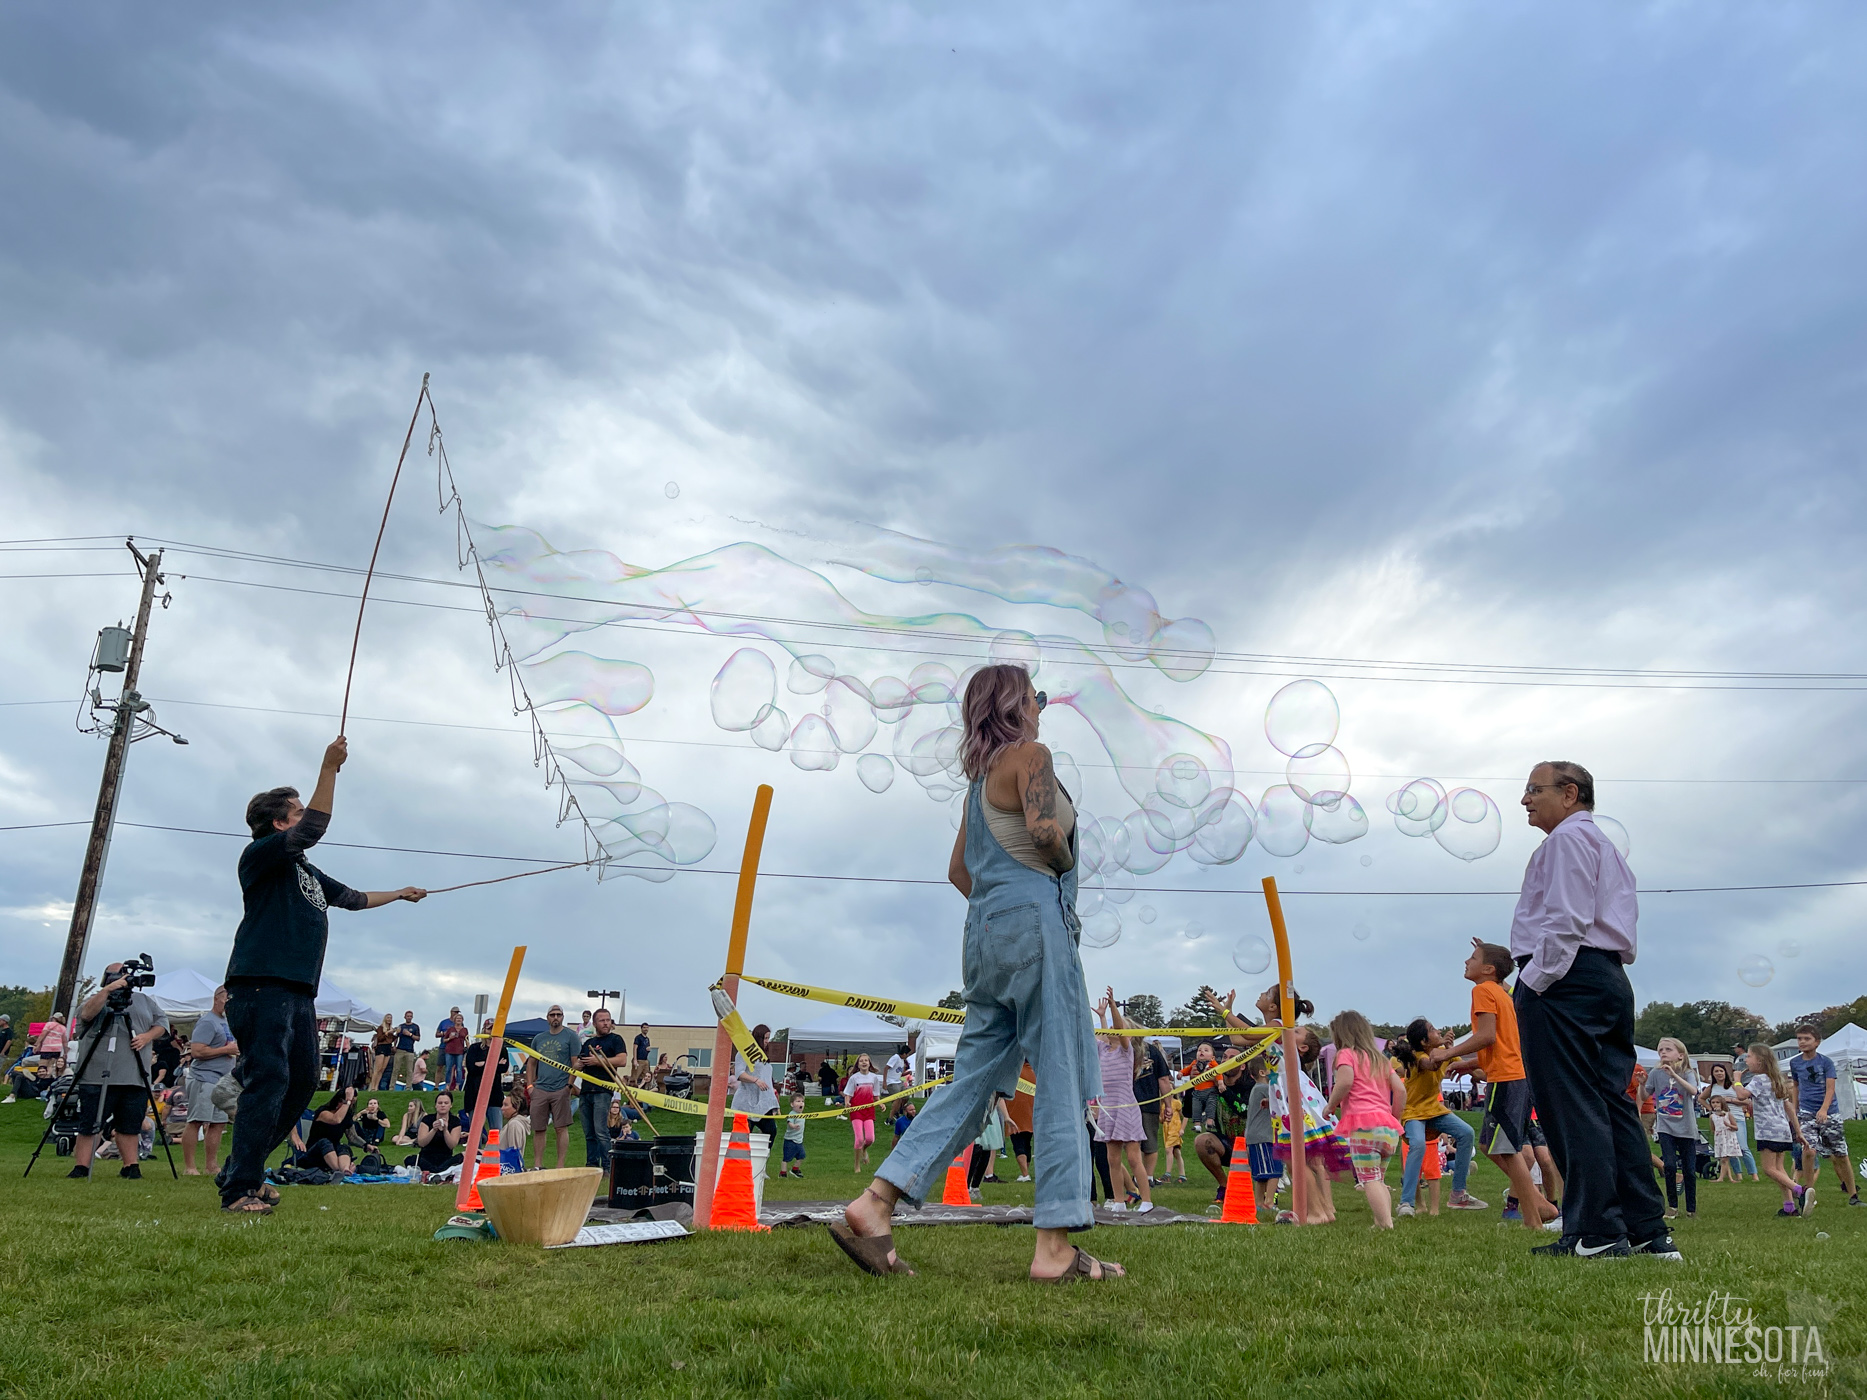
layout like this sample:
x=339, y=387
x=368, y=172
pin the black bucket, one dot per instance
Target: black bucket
x=631, y=1176
x=675, y=1161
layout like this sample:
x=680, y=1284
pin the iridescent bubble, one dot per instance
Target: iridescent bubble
x=932, y=682
x=1616, y=834
x=1068, y=774
x=1361, y=933
x=876, y=772
x=1193, y=931
x=1090, y=850
x=603, y=799
x=1100, y=930
x=671, y=490
x=1788, y=948
x=774, y=731
x=614, y=687
x=1755, y=970
x=1301, y=715
x=1338, y=822
x=809, y=674
x=585, y=735
x=1147, y=849
x=1224, y=831
x=594, y=758
x=1251, y=954
x=1318, y=773
x=1147, y=914
x=744, y=690
x=1183, y=780
x=1473, y=827
x=892, y=699
x=813, y=744
x=1015, y=648
x=1091, y=898
x=1116, y=838
x=1120, y=885
x=1183, y=649
x=1367, y=861
x=1283, y=822
x=1419, y=808
x=1172, y=823
x=852, y=718
x=1129, y=619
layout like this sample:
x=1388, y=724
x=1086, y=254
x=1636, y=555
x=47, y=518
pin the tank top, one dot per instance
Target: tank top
x=1015, y=837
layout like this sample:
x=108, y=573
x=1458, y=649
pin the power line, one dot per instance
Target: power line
x=912, y=880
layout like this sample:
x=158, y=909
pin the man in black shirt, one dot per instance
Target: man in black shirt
x=476, y=1071
x=272, y=977
x=642, y=1055
x=593, y=1101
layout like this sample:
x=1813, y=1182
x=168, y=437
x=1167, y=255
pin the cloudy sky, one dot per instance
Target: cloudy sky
x=1469, y=337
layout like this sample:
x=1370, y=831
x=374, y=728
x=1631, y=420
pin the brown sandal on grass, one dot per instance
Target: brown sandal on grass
x=1082, y=1267
x=250, y=1204
x=268, y=1194
x=869, y=1253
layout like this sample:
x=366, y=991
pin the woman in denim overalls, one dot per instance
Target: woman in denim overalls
x=1024, y=990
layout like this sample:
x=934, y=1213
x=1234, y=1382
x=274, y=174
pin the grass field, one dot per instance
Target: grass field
x=146, y=1289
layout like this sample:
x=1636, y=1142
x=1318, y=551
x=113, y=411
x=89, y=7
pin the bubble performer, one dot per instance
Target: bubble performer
x=272, y=977
x=1025, y=997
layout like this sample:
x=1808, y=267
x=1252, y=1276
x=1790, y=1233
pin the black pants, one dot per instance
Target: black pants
x=1578, y=1050
x=1099, y=1154
x=976, y=1168
x=278, y=1033
x=1675, y=1153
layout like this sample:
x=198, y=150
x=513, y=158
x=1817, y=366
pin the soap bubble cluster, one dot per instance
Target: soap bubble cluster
x=1464, y=821
x=1755, y=970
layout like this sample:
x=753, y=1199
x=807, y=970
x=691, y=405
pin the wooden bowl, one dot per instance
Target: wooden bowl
x=542, y=1208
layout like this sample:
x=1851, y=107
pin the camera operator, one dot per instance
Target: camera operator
x=115, y=1064
x=272, y=977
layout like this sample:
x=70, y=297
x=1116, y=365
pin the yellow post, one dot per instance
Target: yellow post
x=722, y=1043
x=495, y=1050
x=1293, y=1065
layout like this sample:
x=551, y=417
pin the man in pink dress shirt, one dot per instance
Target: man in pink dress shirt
x=1572, y=934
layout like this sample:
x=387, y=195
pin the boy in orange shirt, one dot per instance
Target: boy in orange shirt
x=1504, y=1136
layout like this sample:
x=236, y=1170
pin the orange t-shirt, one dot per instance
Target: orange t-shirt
x=1020, y=1105
x=1500, y=1060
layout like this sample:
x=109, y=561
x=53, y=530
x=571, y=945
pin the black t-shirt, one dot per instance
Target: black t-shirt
x=476, y=1069
x=282, y=934
x=168, y=1057
x=407, y=1037
x=641, y=1046
x=612, y=1045
x=437, y=1155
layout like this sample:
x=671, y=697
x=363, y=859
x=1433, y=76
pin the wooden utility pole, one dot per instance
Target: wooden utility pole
x=129, y=706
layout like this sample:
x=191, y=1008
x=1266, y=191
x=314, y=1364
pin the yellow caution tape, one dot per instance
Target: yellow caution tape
x=881, y=1006
x=735, y=1027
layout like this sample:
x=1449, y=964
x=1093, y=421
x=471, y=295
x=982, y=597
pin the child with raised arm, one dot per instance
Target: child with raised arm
x=1504, y=1135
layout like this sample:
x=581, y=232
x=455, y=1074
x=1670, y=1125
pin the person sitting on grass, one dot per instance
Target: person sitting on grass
x=516, y=1131
x=411, y=1122
x=439, y=1137
x=372, y=1125
x=1492, y=1047
x=327, y=1144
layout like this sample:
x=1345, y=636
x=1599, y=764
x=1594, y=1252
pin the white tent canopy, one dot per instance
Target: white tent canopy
x=333, y=1002
x=1850, y=1041
x=183, y=992
x=842, y=1029
x=1649, y=1058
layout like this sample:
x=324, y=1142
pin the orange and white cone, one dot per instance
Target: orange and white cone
x=734, y=1205
x=1241, y=1198
x=489, y=1166
x=956, y=1192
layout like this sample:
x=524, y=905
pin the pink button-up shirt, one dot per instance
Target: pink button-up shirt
x=1577, y=893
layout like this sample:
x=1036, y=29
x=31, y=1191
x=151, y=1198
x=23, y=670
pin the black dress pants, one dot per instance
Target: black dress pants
x=277, y=1029
x=1578, y=1050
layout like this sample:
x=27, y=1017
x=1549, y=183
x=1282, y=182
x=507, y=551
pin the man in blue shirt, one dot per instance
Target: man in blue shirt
x=1814, y=1074
x=272, y=976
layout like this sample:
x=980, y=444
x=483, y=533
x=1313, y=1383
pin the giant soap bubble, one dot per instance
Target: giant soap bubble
x=1473, y=825
x=614, y=687
x=813, y=744
x=1251, y=954
x=1100, y=930
x=1338, y=822
x=1755, y=970
x=744, y=690
x=1300, y=716
x=1283, y=821
x=1419, y=808
x=1318, y=773
x=1616, y=834
x=876, y=772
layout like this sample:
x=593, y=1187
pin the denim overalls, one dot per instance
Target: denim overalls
x=1025, y=1000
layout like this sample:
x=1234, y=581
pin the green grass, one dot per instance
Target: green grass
x=145, y=1288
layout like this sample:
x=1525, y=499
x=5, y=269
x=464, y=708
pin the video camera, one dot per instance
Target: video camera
x=136, y=973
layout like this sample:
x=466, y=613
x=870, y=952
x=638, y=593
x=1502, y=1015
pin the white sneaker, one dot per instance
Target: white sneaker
x=1467, y=1202
x=1405, y=1212
x=1118, y=1207
x=1024, y=1178
x=1553, y=1226
x=1144, y=1208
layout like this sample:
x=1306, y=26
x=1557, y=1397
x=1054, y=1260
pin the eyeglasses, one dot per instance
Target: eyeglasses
x=1532, y=789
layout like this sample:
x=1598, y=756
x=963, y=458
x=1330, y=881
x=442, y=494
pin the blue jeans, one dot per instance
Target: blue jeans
x=1025, y=1000
x=453, y=1070
x=1418, y=1130
x=1749, y=1162
x=593, y=1110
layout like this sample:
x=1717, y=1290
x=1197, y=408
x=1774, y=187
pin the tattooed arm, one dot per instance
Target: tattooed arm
x=1040, y=808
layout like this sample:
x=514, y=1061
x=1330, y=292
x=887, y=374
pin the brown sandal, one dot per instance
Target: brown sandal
x=268, y=1194
x=1082, y=1268
x=869, y=1253
x=250, y=1204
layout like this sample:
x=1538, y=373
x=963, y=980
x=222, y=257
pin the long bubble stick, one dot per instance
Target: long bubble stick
x=722, y=1044
x=363, y=601
x=501, y=879
x=1295, y=1116
x=495, y=1056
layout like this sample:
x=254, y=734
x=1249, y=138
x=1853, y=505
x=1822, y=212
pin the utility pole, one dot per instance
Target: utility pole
x=129, y=707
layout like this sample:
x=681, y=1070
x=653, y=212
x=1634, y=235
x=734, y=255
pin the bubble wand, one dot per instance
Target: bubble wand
x=363, y=601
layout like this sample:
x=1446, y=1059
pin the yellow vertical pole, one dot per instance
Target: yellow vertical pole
x=1293, y=1064
x=495, y=1050
x=722, y=1043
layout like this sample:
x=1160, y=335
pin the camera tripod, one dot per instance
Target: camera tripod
x=115, y=1022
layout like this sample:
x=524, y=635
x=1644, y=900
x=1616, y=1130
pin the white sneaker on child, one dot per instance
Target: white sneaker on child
x=1405, y=1212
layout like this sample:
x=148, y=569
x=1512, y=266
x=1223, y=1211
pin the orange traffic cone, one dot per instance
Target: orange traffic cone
x=489, y=1166
x=1241, y=1199
x=734, y=1205
x=956, y=1193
